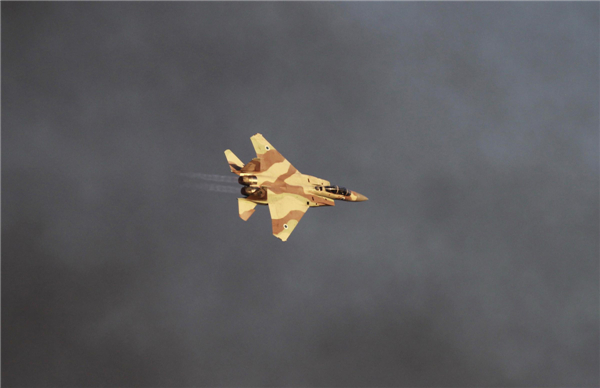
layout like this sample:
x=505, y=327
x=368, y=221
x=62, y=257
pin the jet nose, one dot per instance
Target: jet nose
x=359, y=197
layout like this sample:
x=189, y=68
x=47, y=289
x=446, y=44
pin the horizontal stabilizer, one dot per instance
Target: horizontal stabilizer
x=235, y=164
x=246, y=208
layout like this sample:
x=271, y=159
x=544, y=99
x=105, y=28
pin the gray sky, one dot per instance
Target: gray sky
x=471, y=127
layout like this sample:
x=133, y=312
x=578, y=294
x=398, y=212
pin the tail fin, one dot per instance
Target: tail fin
x=235, y=164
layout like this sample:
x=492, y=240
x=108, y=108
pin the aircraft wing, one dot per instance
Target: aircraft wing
x=286, y=211
x=270, y=158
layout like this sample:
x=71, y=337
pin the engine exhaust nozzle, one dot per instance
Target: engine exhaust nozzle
x=247, y=180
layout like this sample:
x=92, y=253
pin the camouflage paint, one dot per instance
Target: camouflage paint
x=286, y=191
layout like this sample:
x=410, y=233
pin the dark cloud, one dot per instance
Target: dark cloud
x=472, y=128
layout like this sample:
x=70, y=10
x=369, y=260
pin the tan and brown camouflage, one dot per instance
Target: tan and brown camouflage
x=269, y=179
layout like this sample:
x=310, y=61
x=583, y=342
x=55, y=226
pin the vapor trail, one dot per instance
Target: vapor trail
x=212, y=187
x=210, y=177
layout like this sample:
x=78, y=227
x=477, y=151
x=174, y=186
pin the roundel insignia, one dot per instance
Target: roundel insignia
x=285, y=226
x=267, y=148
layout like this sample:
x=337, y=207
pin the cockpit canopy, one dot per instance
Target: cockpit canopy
x=337, y=190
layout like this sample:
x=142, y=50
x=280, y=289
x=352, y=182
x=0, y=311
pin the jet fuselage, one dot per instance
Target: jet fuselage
x=269, y=179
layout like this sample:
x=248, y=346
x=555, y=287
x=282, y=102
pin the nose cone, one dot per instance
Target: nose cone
x=359, y=197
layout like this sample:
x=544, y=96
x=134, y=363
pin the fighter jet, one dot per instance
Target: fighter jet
x=269, y=179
